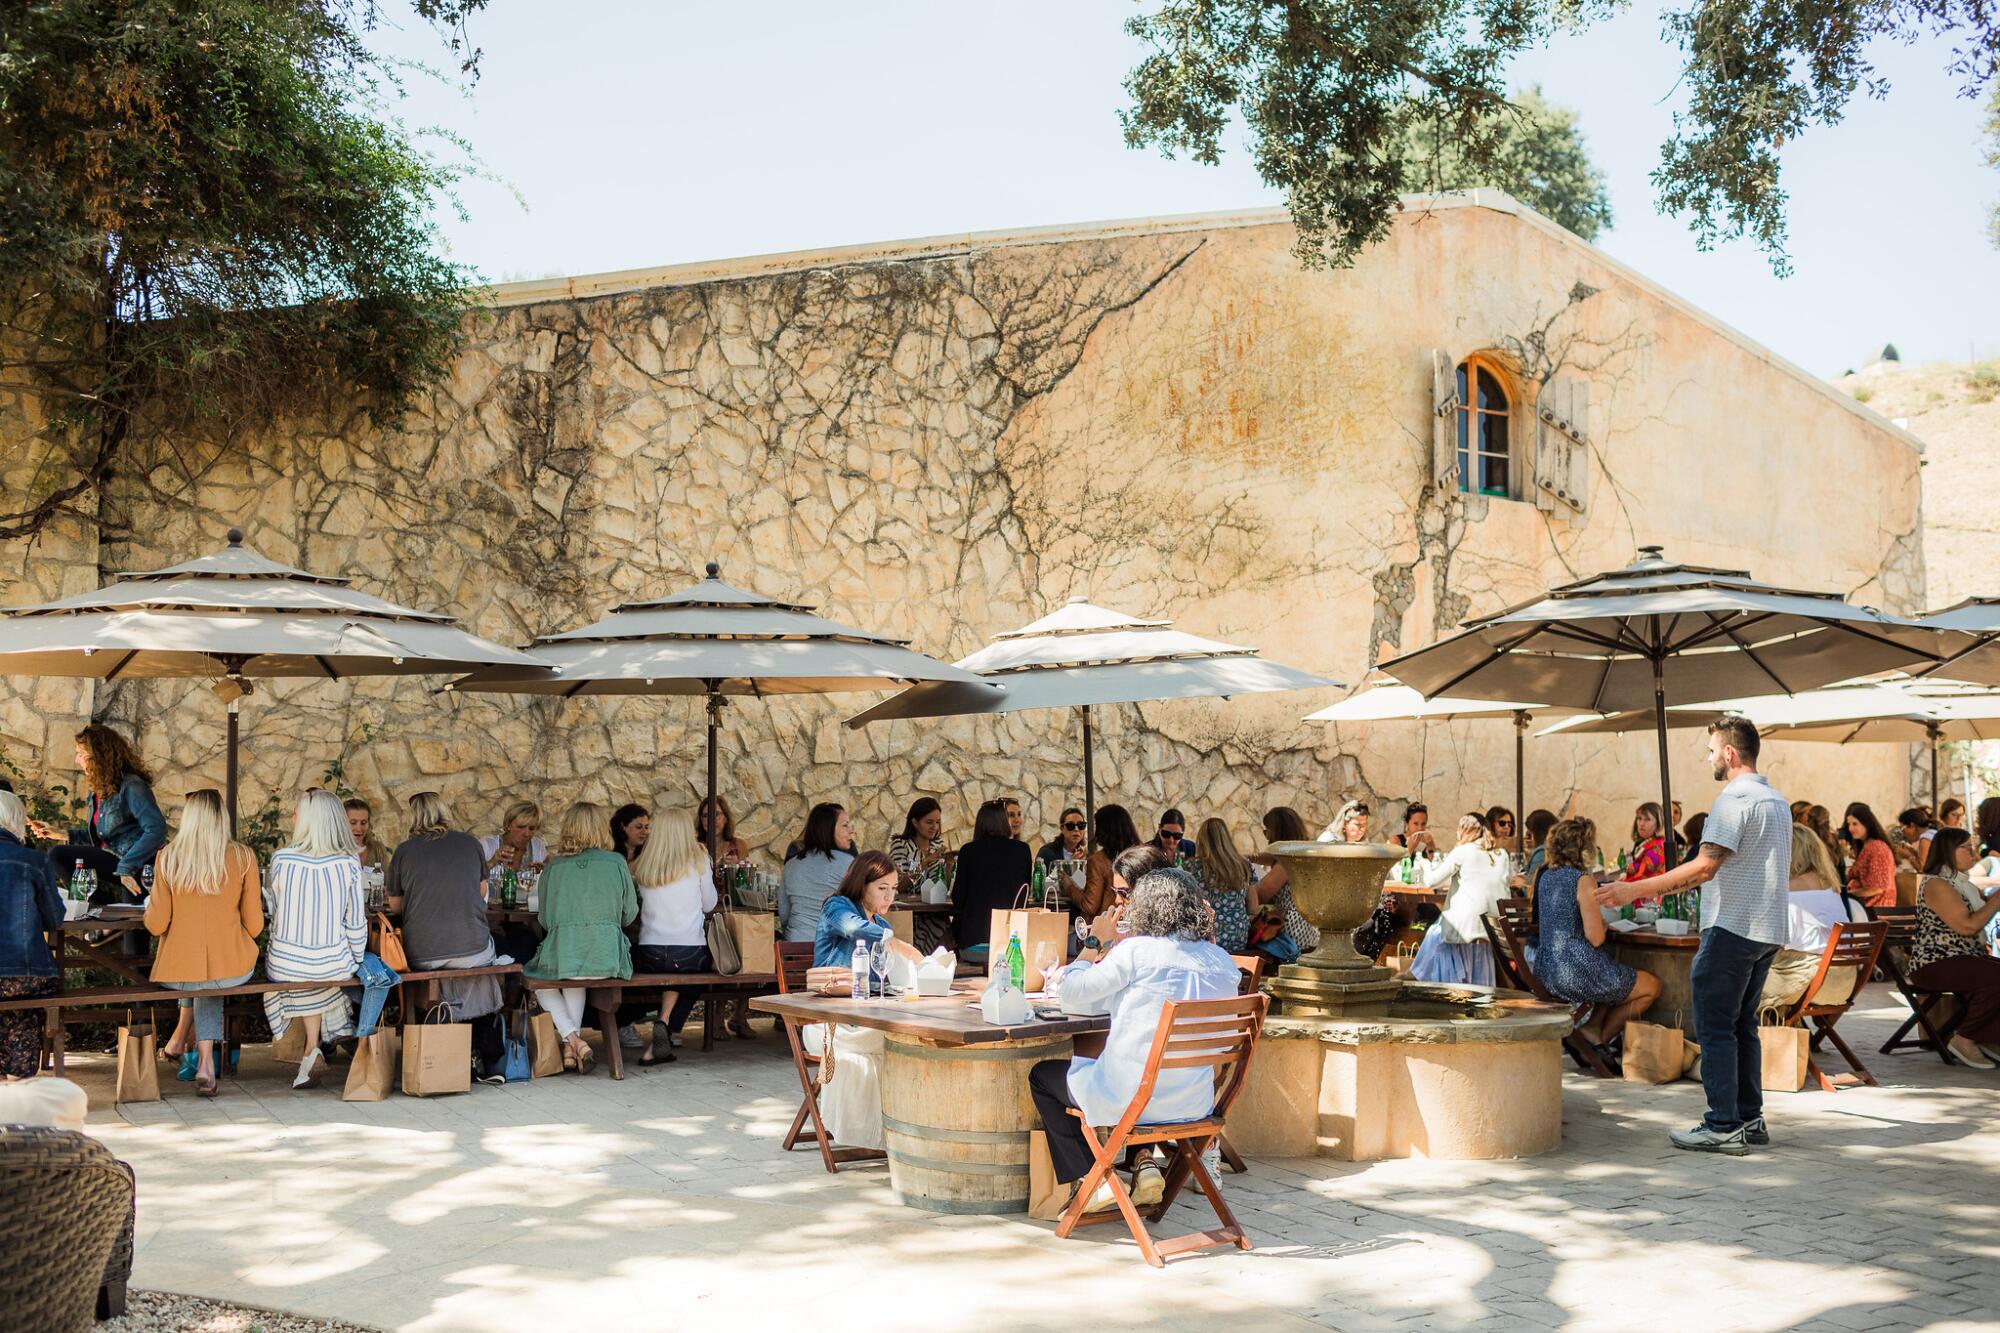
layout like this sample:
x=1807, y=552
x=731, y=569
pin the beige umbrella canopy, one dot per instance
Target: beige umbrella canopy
x=715, y=640
x=1658, y=633
x=234, y=617
x=1082, y=656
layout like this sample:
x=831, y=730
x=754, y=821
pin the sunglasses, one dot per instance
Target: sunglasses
x=1170, y=833
x=1073, y=826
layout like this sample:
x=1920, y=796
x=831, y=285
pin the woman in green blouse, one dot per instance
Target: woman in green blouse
x=587, y=901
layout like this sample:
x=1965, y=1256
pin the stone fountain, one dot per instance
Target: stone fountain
x=1359, y=1064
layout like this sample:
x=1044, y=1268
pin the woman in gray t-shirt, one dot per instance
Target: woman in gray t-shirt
x=437, y=880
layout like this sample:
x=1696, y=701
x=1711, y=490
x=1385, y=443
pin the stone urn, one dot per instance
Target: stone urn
x=1336, y=886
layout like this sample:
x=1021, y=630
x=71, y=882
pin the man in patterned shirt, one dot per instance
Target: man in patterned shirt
x=1745, y=862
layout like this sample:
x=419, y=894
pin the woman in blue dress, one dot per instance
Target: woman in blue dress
x=1570, y=957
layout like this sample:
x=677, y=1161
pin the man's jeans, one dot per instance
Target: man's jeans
x=377, y=980
x=1729, y=973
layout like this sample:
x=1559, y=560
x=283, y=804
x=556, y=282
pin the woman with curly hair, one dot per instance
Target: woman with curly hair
x=125, y=819
x=1570, y=954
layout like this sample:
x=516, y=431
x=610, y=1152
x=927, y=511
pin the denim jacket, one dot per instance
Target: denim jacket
x=131, y=826
x=840, y=925
x=29, y=906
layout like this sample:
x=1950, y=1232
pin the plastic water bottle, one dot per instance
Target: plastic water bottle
x=859, y=969
x=82, y=882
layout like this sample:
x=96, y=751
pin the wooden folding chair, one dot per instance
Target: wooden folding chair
x=1507, y=929
x=1193, y=1034
x=1250, y=973
x=1902, y=928
x=794, y=961
x=1852, y=944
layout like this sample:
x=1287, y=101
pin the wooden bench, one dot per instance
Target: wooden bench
x=135, y=995
x=608, y=993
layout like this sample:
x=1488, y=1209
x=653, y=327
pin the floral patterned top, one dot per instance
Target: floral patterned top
x=1935, y=941
x=1232, y=914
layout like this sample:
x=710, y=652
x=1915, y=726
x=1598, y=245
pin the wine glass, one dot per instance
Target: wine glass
x=1047, y=959
x=879, y=961
x=1082, y=928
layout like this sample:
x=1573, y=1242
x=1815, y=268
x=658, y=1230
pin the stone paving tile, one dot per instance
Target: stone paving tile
x=664, y=1201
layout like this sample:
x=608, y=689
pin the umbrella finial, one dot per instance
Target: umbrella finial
x=714, y=570
x=1655, y=554
x=236, y=536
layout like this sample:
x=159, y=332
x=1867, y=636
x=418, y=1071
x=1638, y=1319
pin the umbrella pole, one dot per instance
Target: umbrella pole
x=229, y=779
x=1932, y=727
x=1520, y=781
x=1089, y=789
x=1666, y=779
x=714, y=724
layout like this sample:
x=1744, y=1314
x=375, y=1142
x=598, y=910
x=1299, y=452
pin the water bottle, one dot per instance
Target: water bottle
x=1052, y=892
x=146, y=882
x=79, y=881
x=1017, y=963
x=859, y=968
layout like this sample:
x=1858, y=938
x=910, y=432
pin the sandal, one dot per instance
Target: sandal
x=205, y=1085
x=647, y=1059
x=585, y=1057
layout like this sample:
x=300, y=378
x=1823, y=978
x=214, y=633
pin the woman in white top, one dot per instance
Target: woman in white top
x=515, y=846
x=676, y=894
x=1455, y=947
x=319, y=927
x=1815, y=905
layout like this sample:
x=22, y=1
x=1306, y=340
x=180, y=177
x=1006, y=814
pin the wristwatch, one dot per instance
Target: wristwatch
x=1091, y=942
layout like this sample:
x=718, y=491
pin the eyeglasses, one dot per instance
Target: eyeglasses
x=1170, y=833
x=1072, y=826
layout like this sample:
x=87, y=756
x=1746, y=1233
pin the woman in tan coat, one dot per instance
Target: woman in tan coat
x=207, y=909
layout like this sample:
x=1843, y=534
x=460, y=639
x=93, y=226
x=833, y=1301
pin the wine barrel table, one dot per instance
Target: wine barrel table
x=956, y=1113
x=1671, y=959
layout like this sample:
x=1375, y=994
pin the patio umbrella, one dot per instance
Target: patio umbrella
x=1386, y=701
x=234, y=617
x=1084, y=656
x=1975, y=659
x=1658, y=633
x=714, y=640
x=1838, y=715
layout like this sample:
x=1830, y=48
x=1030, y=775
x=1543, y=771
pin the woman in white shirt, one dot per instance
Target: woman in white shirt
x=515, y=846
x=1455, y=947
x=676, y=894
x=318, y=928
x=1815, y=905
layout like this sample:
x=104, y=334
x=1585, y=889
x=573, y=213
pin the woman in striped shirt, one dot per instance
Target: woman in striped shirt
x=319, y=927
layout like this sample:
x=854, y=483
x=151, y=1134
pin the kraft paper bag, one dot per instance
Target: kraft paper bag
x=1653, y=1054
x=372, y=1075
x=437, y=1058
x=1035, y=928
x=904, y=923
x=545, y=1050
x=1785, y=1051
x=1691, y=1061
x=1046, y=1195
x=138, y=1072
x=756, y=940
x=290, y=1045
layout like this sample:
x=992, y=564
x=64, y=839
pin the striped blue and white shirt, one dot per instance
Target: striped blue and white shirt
x=319, y=919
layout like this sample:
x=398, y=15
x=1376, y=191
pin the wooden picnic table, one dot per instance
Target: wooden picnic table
x=956, y=1113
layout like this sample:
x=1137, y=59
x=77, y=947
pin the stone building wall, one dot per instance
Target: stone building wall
x=947, y=440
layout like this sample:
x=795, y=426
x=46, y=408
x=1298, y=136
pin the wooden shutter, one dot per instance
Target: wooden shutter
x=1444, y=422
x=1562, y=445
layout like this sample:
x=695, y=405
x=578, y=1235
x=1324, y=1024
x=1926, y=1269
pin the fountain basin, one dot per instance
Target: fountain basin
x=1448, y=1072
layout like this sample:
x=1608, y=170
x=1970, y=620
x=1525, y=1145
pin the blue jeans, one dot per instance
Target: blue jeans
x=1728, y=976
x=377, y=980
x=208, y=1025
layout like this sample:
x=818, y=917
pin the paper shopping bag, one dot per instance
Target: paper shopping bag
x=904, y=923
x=1046, y=1194
x=437, y=1058
x=1785, y=1051
x=756, y=940
x=1036, y=929
x=1653, y=1054
x=290, y=1045
x=372, y=1075
x=545, y=1050
x=1691, y=1061
x=138, y=1075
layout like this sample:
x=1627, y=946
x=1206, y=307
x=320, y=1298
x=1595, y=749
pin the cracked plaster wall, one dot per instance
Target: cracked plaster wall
x=1180, y=424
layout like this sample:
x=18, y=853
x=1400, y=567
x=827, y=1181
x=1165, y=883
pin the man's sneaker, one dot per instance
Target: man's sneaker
x=1101, y=1198
x=1703, y=1139
x=629, y=1038
x=1148, y=1185
x=1756, y=1134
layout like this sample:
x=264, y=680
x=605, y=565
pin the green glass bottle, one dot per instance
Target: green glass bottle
x=1037, y=887
x=1017, y=963
x=508, y=889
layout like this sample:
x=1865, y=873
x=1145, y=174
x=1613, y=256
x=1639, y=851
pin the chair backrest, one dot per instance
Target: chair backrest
x=1901, y=921
x=1250, y=971
x=1503, y=952
x=794, y=961
x=1512, y=916
x=1854, y=944
x=1203, y=1034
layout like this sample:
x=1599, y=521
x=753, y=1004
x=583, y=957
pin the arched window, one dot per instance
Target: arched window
x=1485, y=460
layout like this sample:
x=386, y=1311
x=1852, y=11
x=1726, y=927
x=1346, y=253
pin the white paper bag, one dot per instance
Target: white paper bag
x=1001, y=1005
x=935, y=974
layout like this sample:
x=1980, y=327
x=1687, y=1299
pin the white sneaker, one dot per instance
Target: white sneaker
x=310, y=1069
x=629, y=1038
x=1967, y=1052
x=1149, y=1186
x=1101, y=1198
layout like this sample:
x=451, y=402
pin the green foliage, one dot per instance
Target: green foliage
x=1993, y=158
x=204, y=225
x=1864, y=392
x=1334, y=92
x=51, y=804
x=263, y=830
x=1537, y=155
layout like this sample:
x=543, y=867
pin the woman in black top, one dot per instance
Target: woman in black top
x=992, y=870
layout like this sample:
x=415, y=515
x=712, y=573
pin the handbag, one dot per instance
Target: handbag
x=723, y=954
x=1280, y=949
x=386, y=943
x=517, y=1067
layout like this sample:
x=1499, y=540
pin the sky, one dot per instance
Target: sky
x=631, y=135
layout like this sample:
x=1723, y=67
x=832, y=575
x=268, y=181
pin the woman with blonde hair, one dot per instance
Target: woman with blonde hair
x=1817, y=902
x=437, y=881
x=1225, y=883
x=588, y=899
x=319, y=927
x=676, y=894
x=1455, y=947
x=207, y=910
x=516, y=846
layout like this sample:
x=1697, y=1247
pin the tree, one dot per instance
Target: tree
x=202, y=224
x=1538, y=156
x=1329, y=90
x=1993, y=159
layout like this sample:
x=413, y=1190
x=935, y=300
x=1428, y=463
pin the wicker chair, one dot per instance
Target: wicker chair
x=66, y=1238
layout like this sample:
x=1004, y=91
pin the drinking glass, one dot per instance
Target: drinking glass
x=878, y=963
x=1047, y=959
x=1082, y=928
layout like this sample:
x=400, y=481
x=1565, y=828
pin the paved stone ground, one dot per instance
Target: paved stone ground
x=663, y=1202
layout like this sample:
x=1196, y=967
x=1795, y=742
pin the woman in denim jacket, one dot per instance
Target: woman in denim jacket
x=29, y=908
x=126, y=820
